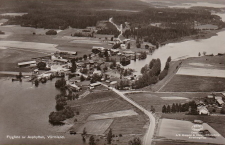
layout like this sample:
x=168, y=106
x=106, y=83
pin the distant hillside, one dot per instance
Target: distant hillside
x=26, y=5
x=187, y=1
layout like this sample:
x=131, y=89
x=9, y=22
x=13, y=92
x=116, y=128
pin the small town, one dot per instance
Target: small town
x=135, y=72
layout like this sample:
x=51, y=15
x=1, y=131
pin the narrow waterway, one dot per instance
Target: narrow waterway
x=182, y=50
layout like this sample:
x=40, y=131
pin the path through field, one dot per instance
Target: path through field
x=119, y=28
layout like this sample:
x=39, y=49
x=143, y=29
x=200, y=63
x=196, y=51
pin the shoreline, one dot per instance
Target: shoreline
x=201, y=36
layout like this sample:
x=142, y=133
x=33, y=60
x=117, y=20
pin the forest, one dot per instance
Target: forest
x=80, y=14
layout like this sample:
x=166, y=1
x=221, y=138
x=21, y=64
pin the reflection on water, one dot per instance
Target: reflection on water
x=24, y=111
x=182, y=50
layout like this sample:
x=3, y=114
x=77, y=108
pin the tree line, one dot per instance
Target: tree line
x=151, y=73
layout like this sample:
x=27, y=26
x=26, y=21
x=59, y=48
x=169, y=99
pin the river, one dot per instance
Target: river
x=182, y=50
x=24, y=112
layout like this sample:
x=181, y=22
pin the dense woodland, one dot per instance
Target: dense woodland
x=175, y=23
x=80, y=14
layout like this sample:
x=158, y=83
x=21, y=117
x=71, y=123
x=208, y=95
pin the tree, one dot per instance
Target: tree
x=138, y=45
x=111, y=38
x=60, y=83
x=109, y=136
x=164, y=109
x=92, y=140
x=173, y=108
x=128, y=46
x=169, y=59
x=146, y=46
x=223, y=110
x=74, y=66
x=41, y=65
x=82, y=78
x=51, y=32
x=204, y=53
x=135, y=141
x=36, y=82
x=85, y=57
x=168, y=109
x=20, y=75
x=84, y=134
x=56, y=117
x=152, y=109
x=199, y=54
x=106, y=53
x=167, y=65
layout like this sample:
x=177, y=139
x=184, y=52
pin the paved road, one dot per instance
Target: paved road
x=150, y=132
x=118, y=28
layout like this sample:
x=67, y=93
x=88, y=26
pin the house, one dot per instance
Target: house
x=60, y=60
x=91, y=62
x=126, y=40
x=220, y=102
x=27, y=63
x=95, y=84
x=74, y=86
x=97, y=49
x=210, y=96
x=202, y=110
x=114, y=51
x=98, y=72
x=129, y=53
x=218, y=97
x=75, y=79
x=123, y=46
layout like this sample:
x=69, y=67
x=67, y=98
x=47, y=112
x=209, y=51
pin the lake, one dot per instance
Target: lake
x=182, y=50
x=25, y=110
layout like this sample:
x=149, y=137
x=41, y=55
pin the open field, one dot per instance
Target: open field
x=201, y=75
x=173, y=98
x=96, y=127
x=10, y=57
x=185, y=83
x=147, y=100
x=29, y=45
x=216, y=122
x=106, y=103
x=182, y=130
x=112, y=115
x=191, y=71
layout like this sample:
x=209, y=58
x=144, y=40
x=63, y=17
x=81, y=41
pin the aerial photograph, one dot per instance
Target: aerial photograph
x=112, y=72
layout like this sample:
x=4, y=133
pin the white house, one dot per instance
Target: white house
x=27, y=63
x=95, y=84
x=202, y=110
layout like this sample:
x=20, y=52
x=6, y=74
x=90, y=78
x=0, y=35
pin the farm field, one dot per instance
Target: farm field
x=29, y=45
x=97, y=105
x=95, y=127
x=147, y=100
x=191, y=71
x=112, y=115
x=185, y=83
x=170, y=128
x=214, y=121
